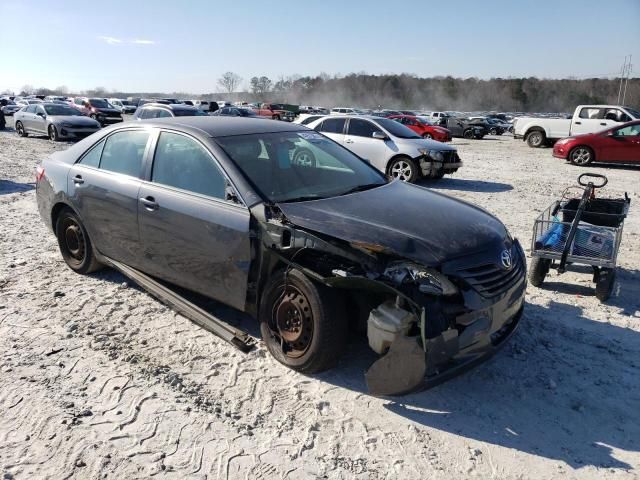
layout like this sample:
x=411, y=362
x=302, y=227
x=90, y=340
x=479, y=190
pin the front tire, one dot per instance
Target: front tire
x=53, y=133
x=404, y=169
x=301, y=322
x=536, y=139
x=538, y=270
x=20, y=129
x=427, y=136
x=581, y=156
x=74, y=243
x=276, y=117
x=468, y=134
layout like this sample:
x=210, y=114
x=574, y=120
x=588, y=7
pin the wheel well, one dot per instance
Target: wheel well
x=535, y=129
x=55, y=213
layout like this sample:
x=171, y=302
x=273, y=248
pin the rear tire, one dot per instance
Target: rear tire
x=301, y=322
x=74, y=243
x=536, y=139
x=427, y=136
x=493, y=131
x=538, y=270
x=403, y=168
x=581, y=156
x=276, y=117
x=604, y=286
x=468, y=134
x=20, y=129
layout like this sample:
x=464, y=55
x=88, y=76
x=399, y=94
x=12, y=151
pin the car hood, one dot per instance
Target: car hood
x=403, y=220
x=79, y=120
x=424, y=143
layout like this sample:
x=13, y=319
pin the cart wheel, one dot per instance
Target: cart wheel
x=538, y=270
x=604, y=286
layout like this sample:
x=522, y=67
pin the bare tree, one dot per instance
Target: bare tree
x=260, y=86
x=27, y=90
x=230, y=81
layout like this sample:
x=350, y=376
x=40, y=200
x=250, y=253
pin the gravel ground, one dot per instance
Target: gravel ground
x=99, y=380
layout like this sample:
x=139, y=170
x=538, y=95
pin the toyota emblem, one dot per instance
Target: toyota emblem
x=505, y=258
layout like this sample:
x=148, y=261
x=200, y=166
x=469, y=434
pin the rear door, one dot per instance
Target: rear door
x=333, y=128
x=193, y=234
x=359, y=139
x=103, y=186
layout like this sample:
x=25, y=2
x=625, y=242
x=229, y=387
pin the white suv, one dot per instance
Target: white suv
x=390, y=146
x=344, y=111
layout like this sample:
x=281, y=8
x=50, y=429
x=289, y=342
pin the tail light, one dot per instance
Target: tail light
x=39, y=173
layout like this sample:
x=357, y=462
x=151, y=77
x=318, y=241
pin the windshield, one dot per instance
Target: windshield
x=187, y=112
x=99, y=103
x=396, y=129
x=126, y=102
x=295, y=166
x=634, y=113
x=60, y=110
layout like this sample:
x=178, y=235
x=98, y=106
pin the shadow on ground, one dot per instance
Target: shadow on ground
x=563, y=388
x=7, y=186
x=447, y=183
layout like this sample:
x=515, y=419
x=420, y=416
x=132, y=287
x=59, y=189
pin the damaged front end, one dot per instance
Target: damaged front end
x=428, y=322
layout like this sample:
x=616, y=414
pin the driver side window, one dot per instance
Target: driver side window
x=630, y=131
x=362, y=128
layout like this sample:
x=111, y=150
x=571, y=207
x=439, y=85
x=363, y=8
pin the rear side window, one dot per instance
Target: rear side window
x=183, y=163
x=591, y=113
x=332, y=125
x=92, y=157
x=361, y=128
x=123, y=152
x=162, y=113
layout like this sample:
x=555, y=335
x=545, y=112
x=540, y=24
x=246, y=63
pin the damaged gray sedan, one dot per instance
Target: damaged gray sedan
x=226, y=207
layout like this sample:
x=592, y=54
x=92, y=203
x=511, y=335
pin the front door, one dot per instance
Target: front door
x=39, y=120
x=359, y=139
x=622, y=146
x=192, y=234
x=103, y=186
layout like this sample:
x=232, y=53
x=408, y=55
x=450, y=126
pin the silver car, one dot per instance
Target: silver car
x=57, y=121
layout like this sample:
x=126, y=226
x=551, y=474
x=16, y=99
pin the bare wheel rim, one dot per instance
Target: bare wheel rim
x=536, y=138
x=401, y=170
x=20, y=129
x=581, y=155
x=293, y=320
x=304, y=159
x=73, y=240
x=52, y=133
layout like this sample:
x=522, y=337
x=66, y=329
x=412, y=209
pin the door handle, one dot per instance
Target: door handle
x=348, y=141
x=78, y=180
x=149, y=203
x=603, y=124
x=578, y=123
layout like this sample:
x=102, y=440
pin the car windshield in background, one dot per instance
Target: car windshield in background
x=126, y=102
x=635, y=113
x=184, y=112
x=60, y=110
x=298, y=166
x=100, y=103
x=396, y=129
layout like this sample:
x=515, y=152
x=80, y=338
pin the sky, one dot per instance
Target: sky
x=185, y=46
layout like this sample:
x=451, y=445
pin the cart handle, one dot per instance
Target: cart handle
x=605, y=180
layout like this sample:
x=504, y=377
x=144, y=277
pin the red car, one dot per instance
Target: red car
x=423, y=128
x=617, y=144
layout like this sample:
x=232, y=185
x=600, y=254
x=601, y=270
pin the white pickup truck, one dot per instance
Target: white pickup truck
x=586, y=119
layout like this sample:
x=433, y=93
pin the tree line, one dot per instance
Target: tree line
x=405, y=91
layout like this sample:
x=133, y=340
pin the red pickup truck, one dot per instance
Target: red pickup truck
x=275, y=111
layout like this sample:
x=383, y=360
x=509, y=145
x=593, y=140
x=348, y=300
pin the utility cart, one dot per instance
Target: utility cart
x=580, y=229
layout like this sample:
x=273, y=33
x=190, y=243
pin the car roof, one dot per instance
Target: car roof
x=171, y=106
x=227, y=126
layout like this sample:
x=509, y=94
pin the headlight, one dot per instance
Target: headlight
x=436, y=155
x=428, y=280
x=564, y=140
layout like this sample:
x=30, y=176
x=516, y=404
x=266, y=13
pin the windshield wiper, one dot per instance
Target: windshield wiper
x=360, y=188
x=303, y=198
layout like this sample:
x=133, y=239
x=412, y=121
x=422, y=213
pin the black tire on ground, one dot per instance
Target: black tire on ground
x=493, y=131
x=302, y=322
x=74, y=243
x=604, y=286
x=53, y=133
x=276, y=117
x=304, y=157
x=20, y=129
x=403, y=168
x=538, y=270
x=581, y=155
x=536, y=139
x=468, y=133
x=427, y=136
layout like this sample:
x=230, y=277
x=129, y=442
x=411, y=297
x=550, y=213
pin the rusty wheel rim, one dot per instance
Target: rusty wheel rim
x=74, y=240
x=294, y=322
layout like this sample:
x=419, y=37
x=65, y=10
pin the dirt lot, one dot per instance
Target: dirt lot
x=98, y=380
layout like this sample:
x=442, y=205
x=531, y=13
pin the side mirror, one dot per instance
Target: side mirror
x=379, y=135
x=41, y=114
